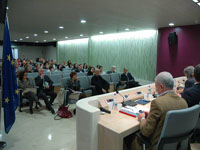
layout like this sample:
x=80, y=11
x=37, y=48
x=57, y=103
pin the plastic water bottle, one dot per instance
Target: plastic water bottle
x=115, y=101
x=149, y=93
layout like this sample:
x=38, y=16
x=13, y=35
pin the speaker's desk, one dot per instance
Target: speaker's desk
x=114, y=127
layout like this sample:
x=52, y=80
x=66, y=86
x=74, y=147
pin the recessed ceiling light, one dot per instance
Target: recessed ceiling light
x=20, y=39
x=196, y=1
x=61, y=27
x=198, y=4
x=35, y=34
x=46, y=31
x=83, y=21
x=7, y=8
x=81, y=35
x=171, y=24
x=54, y=39
x=15, y=40
x=66, y=37
x=127, y=29
x=100, y=32
x=36, y=41
x=27, y=37
x=45, y=40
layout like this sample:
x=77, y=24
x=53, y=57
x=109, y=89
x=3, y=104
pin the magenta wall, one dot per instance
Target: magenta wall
x=187, y=51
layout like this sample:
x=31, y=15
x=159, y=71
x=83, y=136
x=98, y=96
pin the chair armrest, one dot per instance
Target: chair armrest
x=143, y=139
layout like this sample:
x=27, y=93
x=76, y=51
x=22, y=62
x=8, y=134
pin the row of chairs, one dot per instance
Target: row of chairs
x=85, y=81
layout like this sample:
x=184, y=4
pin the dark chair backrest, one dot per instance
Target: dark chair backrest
x=178, y=127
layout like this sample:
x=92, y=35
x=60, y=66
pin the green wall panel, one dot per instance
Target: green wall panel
x=137, y=51
x=74, y=50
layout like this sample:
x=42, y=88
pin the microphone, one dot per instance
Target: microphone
x=105, y=110
x=121, y=96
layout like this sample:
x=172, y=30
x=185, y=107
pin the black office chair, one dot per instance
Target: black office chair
x=178, y=127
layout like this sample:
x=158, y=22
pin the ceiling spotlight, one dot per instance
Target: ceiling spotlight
x=171, y=24
x=36, y=41
x=81, y=35
x=100, y=32
x=15, y=40
x=35, y=34
x=45, y=40
x=61, y=27
x=198, y=4
x=46, y=31
x=127, y=29
x=196, y=1
x=20, y=39
x=7, y=8
x=54, y=39
x=66, y=37
x=83, y=21
x=27, y=37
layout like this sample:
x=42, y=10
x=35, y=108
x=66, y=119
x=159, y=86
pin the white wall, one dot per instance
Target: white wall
x=34, y=52
x=30, y=51
x=50, y=53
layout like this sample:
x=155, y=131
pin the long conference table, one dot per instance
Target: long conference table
x=114, y=127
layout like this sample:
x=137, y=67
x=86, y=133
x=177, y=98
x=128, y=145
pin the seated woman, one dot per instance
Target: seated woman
x=29, y=91
x=188, y=72
x=73, y=85
x=90, y=71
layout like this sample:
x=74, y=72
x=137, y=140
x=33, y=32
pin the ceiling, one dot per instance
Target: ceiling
x=27, y=17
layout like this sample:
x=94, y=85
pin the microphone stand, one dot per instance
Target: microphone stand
x=122, y=97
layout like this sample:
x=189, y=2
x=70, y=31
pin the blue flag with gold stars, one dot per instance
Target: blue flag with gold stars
x=10, y=97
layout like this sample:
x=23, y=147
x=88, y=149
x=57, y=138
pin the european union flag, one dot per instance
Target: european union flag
x=10, y=98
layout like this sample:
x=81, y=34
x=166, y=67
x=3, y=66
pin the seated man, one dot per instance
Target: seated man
x=113, y=70
x=101, y=85
x=192, y=95
x=151, y=124
x=188, y=71
x=45, y=88
x=129, y=79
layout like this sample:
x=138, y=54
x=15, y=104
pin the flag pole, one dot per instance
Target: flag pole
x=2, y=143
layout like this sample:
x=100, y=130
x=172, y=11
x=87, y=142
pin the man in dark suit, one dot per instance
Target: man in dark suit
x=129, y=79
x=45, y=88
x=188, y=71
x=192, y=95
x=101, y=85
x=113, y=70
